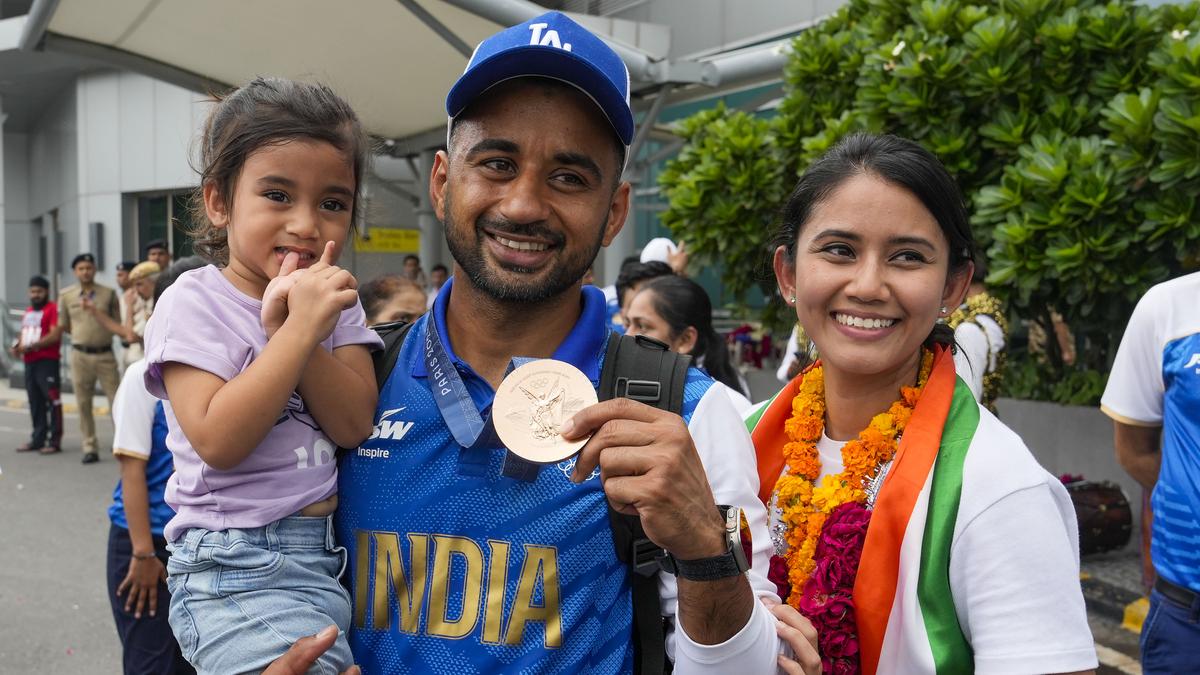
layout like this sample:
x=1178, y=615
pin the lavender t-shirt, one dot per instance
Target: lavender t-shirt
x=203, y=321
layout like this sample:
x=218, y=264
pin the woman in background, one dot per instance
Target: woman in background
x=677, y=311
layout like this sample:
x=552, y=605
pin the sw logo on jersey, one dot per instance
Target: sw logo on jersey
x=391, y=429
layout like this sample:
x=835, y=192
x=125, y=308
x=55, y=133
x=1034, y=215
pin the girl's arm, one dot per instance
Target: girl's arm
x=340, y=392
x=224, y=421
x=140, y=585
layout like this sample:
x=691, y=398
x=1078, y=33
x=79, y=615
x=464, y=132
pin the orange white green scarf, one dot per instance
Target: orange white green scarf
x=903, y=610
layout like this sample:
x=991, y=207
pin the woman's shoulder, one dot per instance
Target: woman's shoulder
x=998, y=463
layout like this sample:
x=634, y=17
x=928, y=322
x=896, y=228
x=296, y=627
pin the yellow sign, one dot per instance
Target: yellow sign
x=389, y=240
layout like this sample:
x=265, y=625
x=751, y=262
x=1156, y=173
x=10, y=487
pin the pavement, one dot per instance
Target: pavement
x=57, y=617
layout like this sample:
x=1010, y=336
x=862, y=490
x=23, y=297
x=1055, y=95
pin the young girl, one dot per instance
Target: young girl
x=264, y=361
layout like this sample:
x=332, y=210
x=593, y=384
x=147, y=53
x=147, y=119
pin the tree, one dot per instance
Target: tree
x=1072, y=126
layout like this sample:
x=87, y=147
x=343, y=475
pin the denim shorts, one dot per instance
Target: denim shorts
x=240, y=598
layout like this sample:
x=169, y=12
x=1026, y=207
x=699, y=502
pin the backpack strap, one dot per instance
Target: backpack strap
x=643, y=369
x=393, y=334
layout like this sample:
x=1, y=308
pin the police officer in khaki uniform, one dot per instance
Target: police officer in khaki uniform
x=92, y=355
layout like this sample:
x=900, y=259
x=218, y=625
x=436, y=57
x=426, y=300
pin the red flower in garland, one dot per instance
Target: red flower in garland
x=827, y=599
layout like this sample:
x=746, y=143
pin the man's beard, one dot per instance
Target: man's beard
x=38, y=304
x=564, y=272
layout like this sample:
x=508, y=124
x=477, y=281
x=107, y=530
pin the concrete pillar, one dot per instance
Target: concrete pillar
x=432, y=234
x=3, y=225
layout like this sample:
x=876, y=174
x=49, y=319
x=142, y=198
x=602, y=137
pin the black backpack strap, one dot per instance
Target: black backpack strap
x=393, y=334
x=643, y=369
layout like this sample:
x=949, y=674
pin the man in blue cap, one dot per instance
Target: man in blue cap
x=459, y=564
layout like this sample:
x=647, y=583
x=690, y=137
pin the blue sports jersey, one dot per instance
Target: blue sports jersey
x=158, y=469
x=1175, y=538
x=454, y=568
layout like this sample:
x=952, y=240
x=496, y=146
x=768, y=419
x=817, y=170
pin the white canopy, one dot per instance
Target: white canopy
x=394, y=60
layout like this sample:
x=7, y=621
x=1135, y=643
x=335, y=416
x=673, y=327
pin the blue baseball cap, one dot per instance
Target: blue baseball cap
x=552, y=46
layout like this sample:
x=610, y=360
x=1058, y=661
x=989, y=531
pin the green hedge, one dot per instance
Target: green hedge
x=1072, y=127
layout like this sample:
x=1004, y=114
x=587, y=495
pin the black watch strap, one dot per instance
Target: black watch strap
x=730, y=564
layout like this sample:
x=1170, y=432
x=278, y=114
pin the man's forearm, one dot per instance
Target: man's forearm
x=711, y=612
x=1143, y=468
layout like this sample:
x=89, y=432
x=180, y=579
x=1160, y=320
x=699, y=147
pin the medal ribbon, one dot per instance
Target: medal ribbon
x=468, y=427
x=453, y=399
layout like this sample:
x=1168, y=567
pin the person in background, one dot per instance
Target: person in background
x=126, y=295
x=980, y=330
x=391, y=297
x=142, y=284
x=92, y=355
x=413, y=272
x=631, y=279
x=678, y=312
x=137, y=551
x=144, y=278
x=1153, y=398
x=612, y=303
x=664, y=250
x=437, y=277
x=38, y=345
x=158, y=253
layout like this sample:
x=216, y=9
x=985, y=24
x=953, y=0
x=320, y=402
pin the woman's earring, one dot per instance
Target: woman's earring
x=944, y=310
x=792, y=300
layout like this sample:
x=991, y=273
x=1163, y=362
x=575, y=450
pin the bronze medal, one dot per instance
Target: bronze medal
x=531, y=405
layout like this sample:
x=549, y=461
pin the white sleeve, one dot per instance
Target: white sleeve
x=1014, y=575
x=133, y=414
x=728, y=456
x=1134, y=394
x=971, y=359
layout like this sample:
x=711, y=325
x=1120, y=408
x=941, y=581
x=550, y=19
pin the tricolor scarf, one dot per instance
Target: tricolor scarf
x=905, y=612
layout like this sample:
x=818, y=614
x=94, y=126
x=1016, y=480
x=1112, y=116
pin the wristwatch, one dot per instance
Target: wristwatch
x=729, y=564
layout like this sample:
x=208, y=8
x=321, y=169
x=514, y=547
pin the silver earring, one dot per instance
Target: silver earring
x=792, y=300
x=944, y=310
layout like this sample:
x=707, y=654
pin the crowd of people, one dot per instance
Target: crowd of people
x=301, y=493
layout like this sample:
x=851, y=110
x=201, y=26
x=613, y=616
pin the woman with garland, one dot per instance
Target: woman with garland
x=912, y=528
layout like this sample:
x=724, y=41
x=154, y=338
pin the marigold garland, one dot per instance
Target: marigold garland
x=804, y=505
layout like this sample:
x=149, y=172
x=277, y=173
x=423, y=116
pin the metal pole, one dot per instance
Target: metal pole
x=512, y=12
x=438, y=27
x=40, y=13
x=432, y=232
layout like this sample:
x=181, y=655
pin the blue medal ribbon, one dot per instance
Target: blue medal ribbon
x=469, y=428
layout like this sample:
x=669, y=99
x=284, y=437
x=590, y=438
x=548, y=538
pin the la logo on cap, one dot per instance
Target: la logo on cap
x=549, y=39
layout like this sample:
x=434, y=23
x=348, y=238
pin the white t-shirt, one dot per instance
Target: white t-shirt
x=133, y=414
x=1014, y=560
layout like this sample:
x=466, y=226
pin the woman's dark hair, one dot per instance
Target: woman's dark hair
x=377, y=292
x=681, y=303
x=269, y=111
x=636, y=273
x=900, y=162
